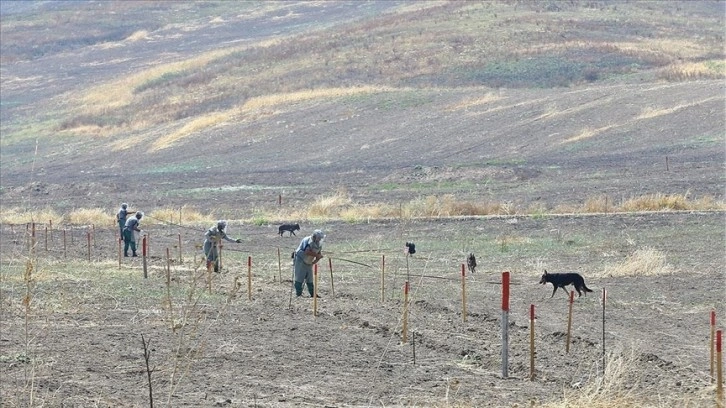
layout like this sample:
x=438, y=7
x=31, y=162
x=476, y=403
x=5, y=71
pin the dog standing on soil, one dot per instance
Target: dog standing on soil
x=291, y=228
x=471, y=262
x=560, y=280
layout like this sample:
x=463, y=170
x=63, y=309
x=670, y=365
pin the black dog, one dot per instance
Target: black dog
x=291, y=228
x=560, y=280
x=471, y=262
x=410, y=248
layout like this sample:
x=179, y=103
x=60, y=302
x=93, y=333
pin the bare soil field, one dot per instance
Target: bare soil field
x=254, y=111
x=80, y=341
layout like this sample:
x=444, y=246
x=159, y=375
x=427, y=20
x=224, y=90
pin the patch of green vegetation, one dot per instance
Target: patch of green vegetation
x=260, y=220
x=177, y=167
x=162, y=80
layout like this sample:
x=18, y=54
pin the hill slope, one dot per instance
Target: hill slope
x=171, y=103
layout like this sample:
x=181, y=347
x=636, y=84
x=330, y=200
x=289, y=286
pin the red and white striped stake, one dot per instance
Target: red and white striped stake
x=569, y=322
x=711, y=344
x=463, y=293
x=249, y=278
x=505, y=324
x=531, y=342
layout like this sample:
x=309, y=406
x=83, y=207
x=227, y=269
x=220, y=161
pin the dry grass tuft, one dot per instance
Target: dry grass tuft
x=657, y=202
x=184, y=215
x=328, y=206
x=26, y=216
x=89, y=216
x=643, y=262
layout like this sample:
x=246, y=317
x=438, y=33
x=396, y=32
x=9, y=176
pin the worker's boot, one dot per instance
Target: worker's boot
x=298, y=288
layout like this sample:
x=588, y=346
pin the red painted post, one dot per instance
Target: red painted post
x=332, y=285
x=604, y=299
x=463, y=292
x=315, y=290
x=279, y=265
x=404, y=329
x=505, y=324
x=719, y=371
x=711, y=344
x=383, y=278
x=249, y=278
x=531, y=342
x=144, y=251
x=569, y=321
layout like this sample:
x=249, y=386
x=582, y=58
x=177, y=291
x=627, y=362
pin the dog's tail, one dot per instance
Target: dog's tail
x=585, y=288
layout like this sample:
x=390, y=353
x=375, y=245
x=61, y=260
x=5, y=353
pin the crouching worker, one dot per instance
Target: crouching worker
x=307, y=254
x=131, y=228
x=212, y=239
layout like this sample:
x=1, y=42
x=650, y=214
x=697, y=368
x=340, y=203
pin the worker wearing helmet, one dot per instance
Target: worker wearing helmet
x=212, y=239
x=121, y=215
x=129, y=233
x=308, y=253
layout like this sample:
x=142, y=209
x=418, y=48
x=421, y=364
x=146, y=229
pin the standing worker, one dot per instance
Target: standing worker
x=121, y=217
x=307, y=254
x=212, y=239
x=129, y=233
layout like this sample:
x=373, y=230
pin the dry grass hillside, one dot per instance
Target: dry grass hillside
x=223, y=104
x=566, y=135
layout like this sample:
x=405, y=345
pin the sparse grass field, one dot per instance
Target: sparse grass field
x=562, y=135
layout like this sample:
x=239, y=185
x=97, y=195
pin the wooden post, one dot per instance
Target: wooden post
x=315, y=290
x=463, y=293
x=604, y=298
x=168, y=285
x=332, y=285
x=505, y=324
x=249, y=278
x=209, y=277
x=279, y=265
x=711, y=344
x=32, y=240
x=404, y=329
x=50, y=229
x=279, y=200
x=569, y=321
x=719, y=371
x=144, y=250
x=88, y=239
x=168, y=262
x=181, y=260
x=64, y=242
x=383, y=278
x=45, y=237
x=531, y=342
